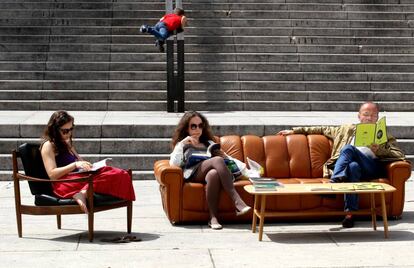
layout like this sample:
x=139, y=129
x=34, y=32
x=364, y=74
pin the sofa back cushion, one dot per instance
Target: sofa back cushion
x=292, y=156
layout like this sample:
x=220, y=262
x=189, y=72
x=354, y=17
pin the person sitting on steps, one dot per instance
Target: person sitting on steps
x=166, y=26
x=349, y=163
x=194, y=132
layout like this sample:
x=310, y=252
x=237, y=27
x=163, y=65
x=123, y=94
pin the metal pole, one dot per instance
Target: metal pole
x=175, y=77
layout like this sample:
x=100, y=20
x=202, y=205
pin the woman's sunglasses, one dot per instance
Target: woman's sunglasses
x=194, y=126
x=66, y=130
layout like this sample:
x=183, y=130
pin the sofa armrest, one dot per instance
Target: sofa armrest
x=171, y=183
x=398, y=173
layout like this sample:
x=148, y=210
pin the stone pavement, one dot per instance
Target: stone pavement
x=297, y=244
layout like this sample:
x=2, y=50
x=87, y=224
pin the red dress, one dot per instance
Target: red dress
x=107, y=180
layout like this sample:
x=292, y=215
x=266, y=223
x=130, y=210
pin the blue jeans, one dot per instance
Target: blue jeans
x=160, y=31
x=353, y=165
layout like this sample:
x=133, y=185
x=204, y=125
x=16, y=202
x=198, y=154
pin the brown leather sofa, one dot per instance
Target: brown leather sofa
x=290, y=159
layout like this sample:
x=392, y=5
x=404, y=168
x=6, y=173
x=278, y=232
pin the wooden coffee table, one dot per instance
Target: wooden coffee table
x=317, y=188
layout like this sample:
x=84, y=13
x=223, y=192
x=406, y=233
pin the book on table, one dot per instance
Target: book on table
x=360, y=186
x=371, y=133
x=367, y=186
x=95, y=166
x=342, y=187
x=265, y=183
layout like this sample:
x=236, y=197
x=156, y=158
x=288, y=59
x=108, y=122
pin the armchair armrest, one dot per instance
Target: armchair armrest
x=171, y=183
x=398, y=173
x=28, y=178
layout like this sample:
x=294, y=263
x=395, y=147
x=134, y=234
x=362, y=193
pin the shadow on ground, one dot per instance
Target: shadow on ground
x=337, y=236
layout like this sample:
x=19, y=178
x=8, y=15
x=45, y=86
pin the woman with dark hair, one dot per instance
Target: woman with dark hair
x=194, y=132
x=61, y=159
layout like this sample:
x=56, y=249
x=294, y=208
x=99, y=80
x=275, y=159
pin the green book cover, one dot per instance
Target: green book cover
x=367, y=134
x=368, y=186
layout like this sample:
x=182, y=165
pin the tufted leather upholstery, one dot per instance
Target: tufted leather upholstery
x=290, y=159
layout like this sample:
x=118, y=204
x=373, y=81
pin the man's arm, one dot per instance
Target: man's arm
x=184, y=22
x=390, y=149
x=328, y=131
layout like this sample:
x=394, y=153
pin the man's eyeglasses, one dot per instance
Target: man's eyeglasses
x=194, y=126
x=66, y=130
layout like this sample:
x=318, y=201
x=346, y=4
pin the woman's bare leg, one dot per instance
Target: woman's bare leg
x=80, y=198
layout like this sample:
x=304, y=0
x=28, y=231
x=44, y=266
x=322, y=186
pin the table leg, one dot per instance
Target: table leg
x=384, y=214
x=255, y=210
x=262, y=215
x=373, y=212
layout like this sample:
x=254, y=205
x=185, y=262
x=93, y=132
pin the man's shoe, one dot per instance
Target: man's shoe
x=143, y=29
x=348, y=222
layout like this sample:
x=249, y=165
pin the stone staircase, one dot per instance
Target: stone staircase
x=245, y=55
x=298, y=55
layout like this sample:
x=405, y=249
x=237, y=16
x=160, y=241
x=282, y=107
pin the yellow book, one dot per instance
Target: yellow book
x=371, y=133
x=368, y=186
x=342, y=187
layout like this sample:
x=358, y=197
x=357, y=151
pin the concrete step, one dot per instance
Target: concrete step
x=211, y=48
x=134, y=146
x=208, y=57
x=211, y=31
x=209, y=76
x=205, y=22
x=287, y=38
x=196, y=95
x=207, y=85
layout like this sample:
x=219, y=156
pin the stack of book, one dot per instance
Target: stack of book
x=265, y=184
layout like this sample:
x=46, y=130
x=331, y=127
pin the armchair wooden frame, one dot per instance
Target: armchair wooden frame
x=60, y=210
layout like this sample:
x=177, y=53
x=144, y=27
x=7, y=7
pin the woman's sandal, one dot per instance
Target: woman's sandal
x=122, y=239
x=215, y=226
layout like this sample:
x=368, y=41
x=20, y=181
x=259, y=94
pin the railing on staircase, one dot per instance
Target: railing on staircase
x=175, y=65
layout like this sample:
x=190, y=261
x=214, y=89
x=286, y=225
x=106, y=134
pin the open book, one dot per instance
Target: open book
x=95, y=166
x=193, y=156
x=209, y=152
x=371, y=133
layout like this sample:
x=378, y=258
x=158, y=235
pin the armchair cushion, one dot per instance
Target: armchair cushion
x=98, y=200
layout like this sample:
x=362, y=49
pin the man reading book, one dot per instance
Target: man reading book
x=349, y=163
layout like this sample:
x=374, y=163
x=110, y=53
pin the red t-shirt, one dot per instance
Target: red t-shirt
x=172, y=21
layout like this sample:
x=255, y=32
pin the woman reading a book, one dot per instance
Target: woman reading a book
x=62, y=162
x=193, y=133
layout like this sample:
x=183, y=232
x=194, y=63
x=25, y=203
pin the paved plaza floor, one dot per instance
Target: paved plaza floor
x=286, y=244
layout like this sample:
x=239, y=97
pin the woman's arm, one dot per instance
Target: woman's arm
x=54, y=172
x=177, y=155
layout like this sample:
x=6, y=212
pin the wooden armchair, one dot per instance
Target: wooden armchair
x=46, y=203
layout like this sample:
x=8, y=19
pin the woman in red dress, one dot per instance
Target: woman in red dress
x=61, y=159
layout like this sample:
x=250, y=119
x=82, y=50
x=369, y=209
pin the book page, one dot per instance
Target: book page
x=381, y=132
x=95, y=166
x=100, y=164
x=364, y=135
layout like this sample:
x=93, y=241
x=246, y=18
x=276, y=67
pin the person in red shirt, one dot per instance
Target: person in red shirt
x=166, y=26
